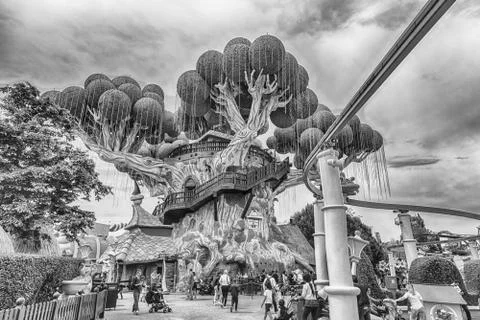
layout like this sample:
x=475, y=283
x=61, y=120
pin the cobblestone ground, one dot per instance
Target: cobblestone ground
x=200, y=309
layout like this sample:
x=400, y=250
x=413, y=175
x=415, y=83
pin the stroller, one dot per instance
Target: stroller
x=155, y=300
x=386, y=309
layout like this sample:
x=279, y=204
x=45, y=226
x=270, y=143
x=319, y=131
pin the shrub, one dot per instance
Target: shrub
x=471, y=271
x=437, y=270
x=33, y=277
x=366, y=277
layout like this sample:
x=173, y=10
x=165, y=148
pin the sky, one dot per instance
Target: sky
x=428, y=111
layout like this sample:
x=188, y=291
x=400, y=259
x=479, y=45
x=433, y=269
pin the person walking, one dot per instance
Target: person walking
x=417, y=310
x=196, y=282
x=234, y=290
x=224, y=285
x=190, y=285
x=270, y=279
x=137, y=289
x=267, y=300
x=311, y=301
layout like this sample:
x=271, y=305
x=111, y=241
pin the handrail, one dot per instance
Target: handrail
x=416, y=30
x=239, y=180
x=216, y=146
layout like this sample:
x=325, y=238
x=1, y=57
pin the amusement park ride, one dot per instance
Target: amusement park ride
x=214, y=175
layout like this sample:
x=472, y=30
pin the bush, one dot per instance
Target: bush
x=33, y=277
x=471, y=271
x=440, y=271
x=366, y=277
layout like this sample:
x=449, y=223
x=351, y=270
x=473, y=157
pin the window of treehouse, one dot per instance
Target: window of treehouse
x=253, y=223
x=253, y=220
x=190, y=186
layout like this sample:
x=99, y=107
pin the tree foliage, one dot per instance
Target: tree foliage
x=422, y=234
x=304, y=219
x=41, y=173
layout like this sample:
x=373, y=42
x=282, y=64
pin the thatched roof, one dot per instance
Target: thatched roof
x=293, y=237
x=6, y=243
x=141, y=218
x=138, y=247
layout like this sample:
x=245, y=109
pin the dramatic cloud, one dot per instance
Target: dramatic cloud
x=429, y=106
x=406, y=161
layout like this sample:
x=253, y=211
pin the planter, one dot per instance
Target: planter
x=71, y=287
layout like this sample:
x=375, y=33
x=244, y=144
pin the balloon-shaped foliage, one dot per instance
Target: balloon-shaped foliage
x=197, y=109
x=154, y=96
x=366, y=137
x=305, y=104
x=93, y=77
x=114, y=106
x=118, y=81
x=263, y=129
x=237, y=40
x=168, y=124
x=298, y=161
x=154, y=137
x=322, y=107
x=323, y=120
x=192, y=88
x=132, y=91
x=210, y=67
x=52, y=96
x=345, y=137
x=354, y=123
x=272, y=142
x=303, y=124
x=309, y=139
x=73, y=99
x=236, y=62
x=267, y=52
x=283, y=117
x=95, y=89
x=148, y=113
x=377, y=140
x=155, y=88
x=286, y=139
x=302, y=81
x=288, y=75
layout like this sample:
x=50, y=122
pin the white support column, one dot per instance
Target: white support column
x=319, y=242
x=391, y=264
x=164, y=277
x=341, y=292
x=409, y=242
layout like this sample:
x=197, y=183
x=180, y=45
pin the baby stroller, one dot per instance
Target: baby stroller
x=155, y=300
x=386, y=309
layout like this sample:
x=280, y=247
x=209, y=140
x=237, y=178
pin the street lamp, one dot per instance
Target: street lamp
x=356, y=245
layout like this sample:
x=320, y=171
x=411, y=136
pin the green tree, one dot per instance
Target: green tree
x=305, y=221
x=41, y=173
x=422, y=234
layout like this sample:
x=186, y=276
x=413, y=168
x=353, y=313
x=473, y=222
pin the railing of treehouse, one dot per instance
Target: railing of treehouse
x=226, y=180
x=216, y=146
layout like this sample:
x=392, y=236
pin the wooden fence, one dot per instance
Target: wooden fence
x=86, y=307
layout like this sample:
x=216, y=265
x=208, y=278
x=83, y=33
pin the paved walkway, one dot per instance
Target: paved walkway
x=200, y=309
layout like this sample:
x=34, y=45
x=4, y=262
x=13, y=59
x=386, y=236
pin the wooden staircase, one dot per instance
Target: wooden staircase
x=177, y=204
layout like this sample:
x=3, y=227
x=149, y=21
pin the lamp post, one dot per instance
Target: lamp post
x=341, y=292
x=356, y=245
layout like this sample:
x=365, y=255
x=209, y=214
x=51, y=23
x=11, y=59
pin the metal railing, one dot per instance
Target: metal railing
x=216, y=146
x=226, y=181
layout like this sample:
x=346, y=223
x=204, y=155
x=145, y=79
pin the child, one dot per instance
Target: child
x=268, y=300
x=282, y=311
x=234, y=289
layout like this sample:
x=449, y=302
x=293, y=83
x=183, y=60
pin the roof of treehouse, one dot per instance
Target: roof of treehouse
x=293, y=237
x=138, y=247
x=142, y=219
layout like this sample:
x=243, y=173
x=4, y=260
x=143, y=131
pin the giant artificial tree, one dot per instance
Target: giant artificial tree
x=237, y=95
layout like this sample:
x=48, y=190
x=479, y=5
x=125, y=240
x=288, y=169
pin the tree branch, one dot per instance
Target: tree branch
x=226, y=105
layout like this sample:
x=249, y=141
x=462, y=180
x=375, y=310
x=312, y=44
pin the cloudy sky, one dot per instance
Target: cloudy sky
x=428, y=111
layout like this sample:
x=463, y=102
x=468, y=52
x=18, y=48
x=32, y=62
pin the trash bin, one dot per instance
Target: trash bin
x=112, y=295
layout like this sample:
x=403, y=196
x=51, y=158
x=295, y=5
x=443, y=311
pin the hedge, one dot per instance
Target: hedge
x=471, y=271
x=441, y=271
x=366, y=276
x=33, y=277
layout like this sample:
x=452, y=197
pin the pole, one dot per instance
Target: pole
x=319, y=242
x=472, y=245
x=409, y=242
x=341, y=292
